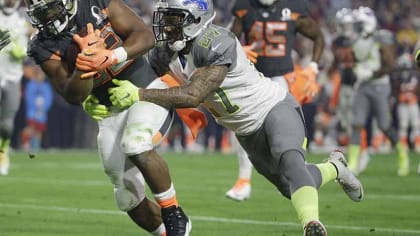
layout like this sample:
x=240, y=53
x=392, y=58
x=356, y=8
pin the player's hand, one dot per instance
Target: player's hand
x=17, y=52
x=91, y=40
x=124, y=94
x=311, y=86
x=4, y=38
x=362, y=72
x=95, y=110
x=95, y=59
x=417, y=58
x=250, y=53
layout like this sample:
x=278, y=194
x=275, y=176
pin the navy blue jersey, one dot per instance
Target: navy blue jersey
x=42, y=48
x=273, y=29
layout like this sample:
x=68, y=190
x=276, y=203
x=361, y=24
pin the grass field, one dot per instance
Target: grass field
x=66, y=193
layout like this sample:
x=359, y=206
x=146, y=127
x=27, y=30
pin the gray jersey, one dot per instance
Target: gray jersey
x=245, y=97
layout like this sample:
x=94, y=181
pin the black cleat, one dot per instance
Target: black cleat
x=315, y=228
x=176, y=222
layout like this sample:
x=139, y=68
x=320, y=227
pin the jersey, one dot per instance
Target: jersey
x=12, y=70
x=273, y=30
x=245, y=96
x=341, y=47
x=63, y=48
x=367, y=51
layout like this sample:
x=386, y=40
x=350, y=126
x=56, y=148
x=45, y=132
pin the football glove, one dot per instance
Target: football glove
x=91, y=40
x=124, y=94
x=17, y=52
x=4, y=38
x=250, y=53
x=362, y=72
x=95, y=110
x=417, y=57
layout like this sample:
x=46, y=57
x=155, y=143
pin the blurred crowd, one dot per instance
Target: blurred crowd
x=66, y=126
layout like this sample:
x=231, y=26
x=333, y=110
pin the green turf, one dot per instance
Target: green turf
x=67, y=193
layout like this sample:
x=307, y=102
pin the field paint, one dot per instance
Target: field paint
x=211, y=219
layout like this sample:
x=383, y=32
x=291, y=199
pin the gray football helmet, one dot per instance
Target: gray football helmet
x=51, y=16
x=179, y=21
x=344, y=22
x=9, y=6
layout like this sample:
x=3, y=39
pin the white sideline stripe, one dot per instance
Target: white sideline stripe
x=106, y=183
x=211, y=219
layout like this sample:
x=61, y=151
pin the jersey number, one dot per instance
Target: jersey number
x=230, y=108
x=267, y=33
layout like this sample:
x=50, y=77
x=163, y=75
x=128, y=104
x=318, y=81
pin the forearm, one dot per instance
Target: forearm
x=177, y=97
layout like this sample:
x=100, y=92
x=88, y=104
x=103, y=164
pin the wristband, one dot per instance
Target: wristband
x=120, y=54
x=314, y=66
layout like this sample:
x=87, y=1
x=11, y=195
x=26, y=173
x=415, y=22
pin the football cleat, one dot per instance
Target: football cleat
x=176, y=222
x=4, y=163
x=240, y=191
x=348, y=181
x=314, y=228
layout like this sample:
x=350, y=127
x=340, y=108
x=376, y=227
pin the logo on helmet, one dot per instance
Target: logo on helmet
x=202, y=5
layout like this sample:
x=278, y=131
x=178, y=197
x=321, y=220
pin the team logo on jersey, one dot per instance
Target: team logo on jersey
x=202, y=5
x=286, y=14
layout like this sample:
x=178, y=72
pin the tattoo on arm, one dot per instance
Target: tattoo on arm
x=203, y=82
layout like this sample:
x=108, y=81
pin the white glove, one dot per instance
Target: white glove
x=362, y=72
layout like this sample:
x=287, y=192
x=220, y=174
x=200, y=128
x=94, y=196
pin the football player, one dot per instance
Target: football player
x=11, y=63
x=270, y=28
x=375, y=60
x=81, y=46
x=267, y=120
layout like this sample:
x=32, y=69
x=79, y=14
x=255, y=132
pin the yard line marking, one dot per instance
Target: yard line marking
x=210, y=218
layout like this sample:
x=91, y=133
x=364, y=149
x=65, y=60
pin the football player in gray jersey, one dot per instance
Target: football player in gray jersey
x=375, y=60
x=214, y=71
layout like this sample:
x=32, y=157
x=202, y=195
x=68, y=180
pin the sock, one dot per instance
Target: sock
x=245, y=165
x=403, y=158
x=328, y=172
x=168, y=198
x=353, y=153
x=305, y=202
x=160, y=231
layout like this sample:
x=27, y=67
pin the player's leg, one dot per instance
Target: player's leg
x=403, y=120
x=242, y=188
x=146, y=126
x=415, y=125
x=129, y=189
x=9, y=105
x=382, y=113
x=276, y=150
x=360, y=110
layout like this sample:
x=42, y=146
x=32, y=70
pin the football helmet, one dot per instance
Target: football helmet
x=365, y=21
x=179, y=21
x=52, y=16
x=9, y=6
x=344, y=22
x=267, y=2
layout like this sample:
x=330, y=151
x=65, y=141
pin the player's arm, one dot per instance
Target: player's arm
x=236, y=26
x=203, y=82
x=387, y=53
x=310, y=29
x=138, y=37
x=68, y=85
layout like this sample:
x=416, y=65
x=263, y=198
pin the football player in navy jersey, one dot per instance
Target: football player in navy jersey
x=81, y=46
x=270, y=28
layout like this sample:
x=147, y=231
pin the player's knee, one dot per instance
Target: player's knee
x=137, y=139
x=125, y=199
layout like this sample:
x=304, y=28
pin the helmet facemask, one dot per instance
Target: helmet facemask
x=52, y=17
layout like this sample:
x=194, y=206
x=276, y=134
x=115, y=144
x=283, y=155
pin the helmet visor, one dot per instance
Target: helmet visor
x=44, y=15
x=168, y=25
